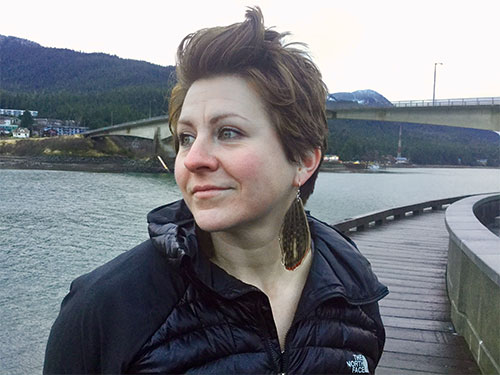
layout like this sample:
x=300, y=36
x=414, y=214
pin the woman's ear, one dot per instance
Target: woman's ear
x=307, y=166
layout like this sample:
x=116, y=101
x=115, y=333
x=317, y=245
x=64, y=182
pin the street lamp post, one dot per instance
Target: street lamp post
x=434, y=87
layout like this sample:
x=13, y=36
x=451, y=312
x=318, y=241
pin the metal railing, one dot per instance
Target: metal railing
x=448, y=102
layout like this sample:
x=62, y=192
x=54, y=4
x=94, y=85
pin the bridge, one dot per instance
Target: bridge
x=146, y=128
x=475, y=113
x=443, y=274
x=155, y=128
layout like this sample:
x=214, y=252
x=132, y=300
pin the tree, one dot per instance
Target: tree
x=27, y=120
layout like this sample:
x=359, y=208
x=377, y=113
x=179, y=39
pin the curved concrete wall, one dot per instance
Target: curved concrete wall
x=473, y=279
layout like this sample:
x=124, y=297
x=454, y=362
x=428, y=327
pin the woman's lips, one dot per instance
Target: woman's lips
x=207, y=191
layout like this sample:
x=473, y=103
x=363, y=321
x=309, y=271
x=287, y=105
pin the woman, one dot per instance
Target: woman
x=235, y=278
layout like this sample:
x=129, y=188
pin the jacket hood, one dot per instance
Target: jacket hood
x=338, y=268
x=172, y=230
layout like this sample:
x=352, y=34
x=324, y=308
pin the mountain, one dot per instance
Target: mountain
x=95, y=89
x=27, y=66
x=357, y=99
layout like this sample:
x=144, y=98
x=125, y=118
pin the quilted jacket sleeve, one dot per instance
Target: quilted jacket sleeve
x=75, y=338
x=372, y=310
x=109, y=314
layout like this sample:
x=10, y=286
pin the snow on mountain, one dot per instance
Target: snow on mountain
x=358, y=98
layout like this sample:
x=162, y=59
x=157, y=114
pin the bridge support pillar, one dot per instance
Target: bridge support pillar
x=164, y=150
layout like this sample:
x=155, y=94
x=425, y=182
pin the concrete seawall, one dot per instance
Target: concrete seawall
x=473, y=277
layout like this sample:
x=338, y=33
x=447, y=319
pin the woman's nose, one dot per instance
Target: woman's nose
x=201, y=155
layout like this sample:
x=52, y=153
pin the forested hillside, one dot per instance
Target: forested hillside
x=422, y=144
x=94, y=89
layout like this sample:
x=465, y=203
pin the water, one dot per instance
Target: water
x=342, y=195
x=55, y=226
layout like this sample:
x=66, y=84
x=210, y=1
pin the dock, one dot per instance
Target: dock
x=410, y=257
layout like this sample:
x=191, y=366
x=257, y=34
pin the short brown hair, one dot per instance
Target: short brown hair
x=285, y=78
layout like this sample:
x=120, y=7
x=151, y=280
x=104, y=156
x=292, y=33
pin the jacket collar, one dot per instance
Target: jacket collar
x=172, y=230
x=338, y=268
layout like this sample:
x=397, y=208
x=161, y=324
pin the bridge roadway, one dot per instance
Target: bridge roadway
x=410, y=257
x=146, y=128
x=477, y=113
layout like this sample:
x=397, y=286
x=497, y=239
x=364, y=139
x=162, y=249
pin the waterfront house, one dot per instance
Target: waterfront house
x=21, y=133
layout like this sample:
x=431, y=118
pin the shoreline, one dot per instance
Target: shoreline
x=106, y=164
x=342, y=169
x=121, y=164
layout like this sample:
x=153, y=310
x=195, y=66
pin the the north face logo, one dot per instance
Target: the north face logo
x=359, y=365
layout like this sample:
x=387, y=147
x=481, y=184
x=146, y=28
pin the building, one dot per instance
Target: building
x=16, y=112
x=21, y=133
x=64, y=129
x=53, y=127
x=7, y=125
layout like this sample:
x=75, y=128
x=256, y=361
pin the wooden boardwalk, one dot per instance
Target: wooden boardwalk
x=409, y=256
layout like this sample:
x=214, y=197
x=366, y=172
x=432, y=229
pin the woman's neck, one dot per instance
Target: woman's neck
x=255, y=259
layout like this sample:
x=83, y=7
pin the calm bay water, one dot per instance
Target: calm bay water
x=56, y=225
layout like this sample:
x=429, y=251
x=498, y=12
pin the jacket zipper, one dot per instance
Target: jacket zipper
x=267, y=329
x=284, y=353
x=284, y=358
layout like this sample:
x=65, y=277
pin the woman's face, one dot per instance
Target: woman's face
x=231, y=167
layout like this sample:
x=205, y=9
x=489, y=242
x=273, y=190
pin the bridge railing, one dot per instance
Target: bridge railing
x=448, y=102
x=366, y=221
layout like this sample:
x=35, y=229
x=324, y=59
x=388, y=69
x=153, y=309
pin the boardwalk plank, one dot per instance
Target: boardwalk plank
x=418, y=291
x=414, y=297
x=381, y=370
x=415, y=362
x=410, y=273
x=426, y=348
x=389, y=302
x=400, y=264
x=410, y=257
x=414, y=313
x=424, y=335
x=391, y=279
x=410, y=322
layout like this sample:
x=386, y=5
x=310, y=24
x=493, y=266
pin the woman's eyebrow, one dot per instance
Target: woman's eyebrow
x=213, y=120
x=222, y=116
x=184, y=121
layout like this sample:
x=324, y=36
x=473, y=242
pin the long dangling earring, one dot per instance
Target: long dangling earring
x=295, y=237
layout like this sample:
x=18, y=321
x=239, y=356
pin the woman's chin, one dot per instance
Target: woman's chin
x=209, y=223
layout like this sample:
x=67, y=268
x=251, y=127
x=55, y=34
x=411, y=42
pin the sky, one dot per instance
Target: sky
x=390, y=46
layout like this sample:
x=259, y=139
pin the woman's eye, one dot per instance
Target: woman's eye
x=228, y=133
x=185, y=140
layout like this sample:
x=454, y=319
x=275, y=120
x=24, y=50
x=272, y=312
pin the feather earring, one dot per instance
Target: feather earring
x=295, y=237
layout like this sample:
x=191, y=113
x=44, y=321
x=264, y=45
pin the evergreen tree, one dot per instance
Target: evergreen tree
x=26, y=120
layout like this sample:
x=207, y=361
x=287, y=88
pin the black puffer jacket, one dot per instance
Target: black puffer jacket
x=162, y=307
